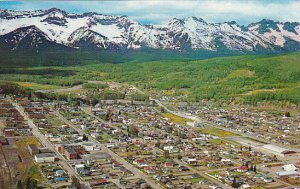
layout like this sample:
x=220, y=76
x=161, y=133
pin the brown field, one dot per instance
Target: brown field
x=12, y=168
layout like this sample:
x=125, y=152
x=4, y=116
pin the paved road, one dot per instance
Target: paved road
x=127, y=165
x=46, y=143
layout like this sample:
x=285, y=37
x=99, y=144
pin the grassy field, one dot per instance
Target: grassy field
x=206, y=130
x=196, y=180
x=36, y=86
x=24, y=142
x=217, y=141
x=176, y=119
x=215, y=131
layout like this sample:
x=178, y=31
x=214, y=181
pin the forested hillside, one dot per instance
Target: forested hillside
x=239, y=79
x=245, y=78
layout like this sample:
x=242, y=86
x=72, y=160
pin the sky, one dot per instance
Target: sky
x=243, y=12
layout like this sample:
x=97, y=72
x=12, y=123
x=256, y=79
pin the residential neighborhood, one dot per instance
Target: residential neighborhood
x=143, y=144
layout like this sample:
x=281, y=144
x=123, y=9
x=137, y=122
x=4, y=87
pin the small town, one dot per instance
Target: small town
x=136, y=141
x=150, y=94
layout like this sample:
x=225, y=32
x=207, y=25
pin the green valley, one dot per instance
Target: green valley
x=238, y=79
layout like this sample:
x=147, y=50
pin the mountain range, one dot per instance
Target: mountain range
x=57, y=29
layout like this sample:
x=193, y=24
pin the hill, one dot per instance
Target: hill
x=237, y=79
x=249, y=78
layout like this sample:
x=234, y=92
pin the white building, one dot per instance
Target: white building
x=278, y=151
x=88, y=146
x=44, y=158
x=95, y=135
x=289, y=167
x=79, y=167
x=83, y=127
x=287, y=173
x=245, y=186
x=171, y=149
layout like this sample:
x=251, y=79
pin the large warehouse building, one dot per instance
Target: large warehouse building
x=278, y=151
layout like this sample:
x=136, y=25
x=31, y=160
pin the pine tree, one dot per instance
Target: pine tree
x=234, y=183
x=287, y=114
x=247, y=164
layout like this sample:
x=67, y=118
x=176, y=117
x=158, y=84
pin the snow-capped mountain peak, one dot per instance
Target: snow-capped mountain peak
x=106, y=31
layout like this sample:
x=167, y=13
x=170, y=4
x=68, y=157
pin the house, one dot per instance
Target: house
x=171, y=149
x=85, y=172
x=168, y=164
x=149, y=169
x=242, y=169
x=72, y=151
x=95, y=135
x=9, y=132
x=33, y=149
x=79, y=167
x=192, y=161
x=101, y=183
x=90, y=162
x=111, y=145
x=227, y=162
x=59, y=173
x=116, y=165
x=140, y=163
x=44, y=158
x=88, y=146
x=136, y=141
x=54, y=139
x=245, y=186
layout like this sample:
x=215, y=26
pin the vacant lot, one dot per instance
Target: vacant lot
x=15, y=161
x=176, y=119
x=216, y=132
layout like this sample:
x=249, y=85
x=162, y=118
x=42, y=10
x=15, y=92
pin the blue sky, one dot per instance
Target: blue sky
x=155, y=12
